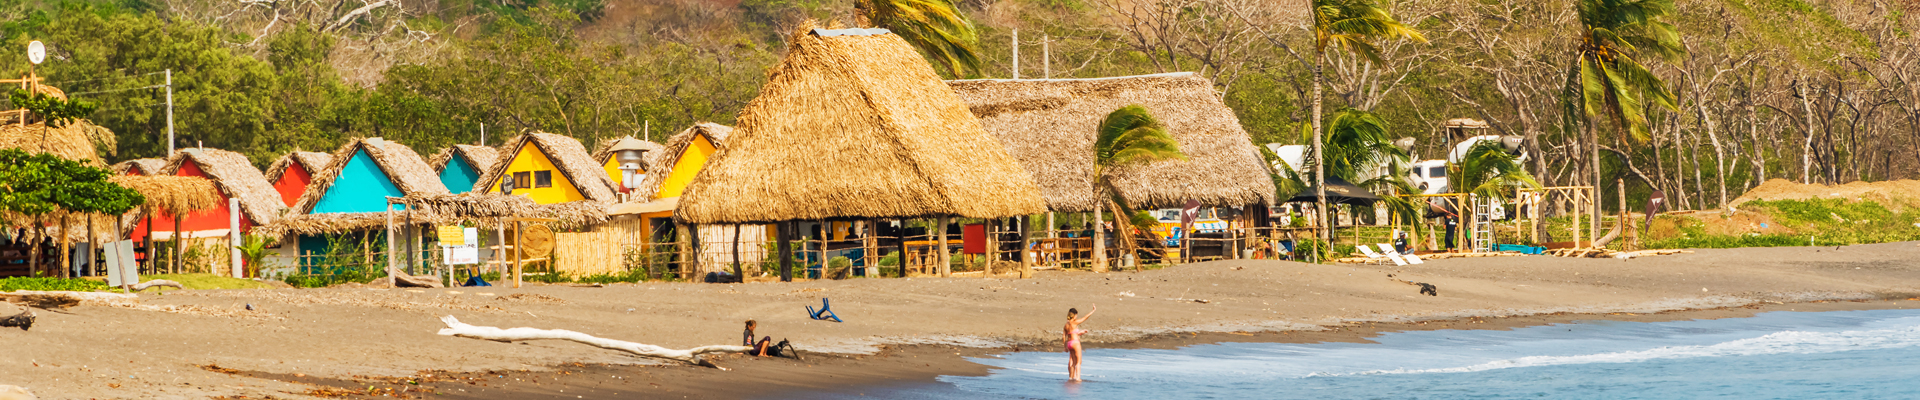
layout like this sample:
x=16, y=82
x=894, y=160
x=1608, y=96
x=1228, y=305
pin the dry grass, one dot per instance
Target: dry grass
x=481, y=158
x=236, y=177
x=173, y=194
x=311, y=160
x=141, y=166
x=857, y=127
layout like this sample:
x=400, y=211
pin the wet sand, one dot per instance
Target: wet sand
x=302, y=343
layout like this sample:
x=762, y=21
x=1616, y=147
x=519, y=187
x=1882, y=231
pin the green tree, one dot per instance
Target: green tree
x=936, y=27
x=1353, y=26
x=34, y=185
x=1129, y=136
x=1611, y=81
x=1486, y=170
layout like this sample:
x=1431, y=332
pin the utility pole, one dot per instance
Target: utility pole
x=483, y=135
x=169, y=112
x=1016, y=54
x=1046, y=56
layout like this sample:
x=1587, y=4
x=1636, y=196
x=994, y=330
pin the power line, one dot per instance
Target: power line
x=117, y=90
x=106, y=78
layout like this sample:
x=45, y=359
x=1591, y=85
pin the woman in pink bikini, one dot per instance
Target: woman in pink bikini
x=1073, y=333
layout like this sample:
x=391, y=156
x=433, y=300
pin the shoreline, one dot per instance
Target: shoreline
x=849, y=375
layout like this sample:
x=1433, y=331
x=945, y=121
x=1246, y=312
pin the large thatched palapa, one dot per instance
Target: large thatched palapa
x=571, y=173
x=460, y=165
x=140, y=166
x=292, y=173
x=351, y=193
x=1050, y=125
x=855, y=124
x=75, y=141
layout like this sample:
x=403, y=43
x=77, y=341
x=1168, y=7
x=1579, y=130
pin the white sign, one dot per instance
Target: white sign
x=466, y=254
x=122, y=269
x=36, y=52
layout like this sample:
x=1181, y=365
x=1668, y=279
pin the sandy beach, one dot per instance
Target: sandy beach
x=301, y=343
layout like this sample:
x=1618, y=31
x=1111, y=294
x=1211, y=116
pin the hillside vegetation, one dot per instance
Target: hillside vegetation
x=1807, y=90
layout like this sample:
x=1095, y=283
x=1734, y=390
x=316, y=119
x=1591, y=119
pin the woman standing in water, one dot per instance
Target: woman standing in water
x=1073, y=333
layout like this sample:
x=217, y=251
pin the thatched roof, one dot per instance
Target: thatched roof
x=480, y=157
x=75, y=141
x=236, y=178
x=606, y=147
x=854, y=124
x=567, y=154
x=401, y=165
x=175, y=194
x=677, y=145
x=140, y=166
x=311, y=160
x=483, y=209
x=1050, y=125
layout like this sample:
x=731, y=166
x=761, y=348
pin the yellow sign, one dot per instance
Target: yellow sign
x=452, y=235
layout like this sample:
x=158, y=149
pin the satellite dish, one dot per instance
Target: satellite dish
x=36, y=52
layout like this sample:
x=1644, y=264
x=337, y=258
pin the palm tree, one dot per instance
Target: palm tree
x=1352, y=25
x=1129, y=136
x=1611, y=82
x=1486, y=170
x=936, y=27
x=1356, y=145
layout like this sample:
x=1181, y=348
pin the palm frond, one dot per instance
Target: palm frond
x=936, y=27
x=1131, y=135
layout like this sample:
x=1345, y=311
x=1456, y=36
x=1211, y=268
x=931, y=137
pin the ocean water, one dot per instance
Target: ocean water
x=1777, y=355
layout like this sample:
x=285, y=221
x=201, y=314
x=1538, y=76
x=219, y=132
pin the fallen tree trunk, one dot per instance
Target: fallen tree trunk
x=156, y=283
x=693, y=355
x=86, y=297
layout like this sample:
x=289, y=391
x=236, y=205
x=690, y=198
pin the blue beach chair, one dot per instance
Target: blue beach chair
x=825, y=312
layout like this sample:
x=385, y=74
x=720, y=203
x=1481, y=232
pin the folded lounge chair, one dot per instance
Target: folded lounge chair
x=825, y=313
x=1375, y=258
x=1408, y=258
x=1391, y=254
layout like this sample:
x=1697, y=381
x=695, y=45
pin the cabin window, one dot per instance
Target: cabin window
x=1437, y=172
x=542, y=179
x=522, y=180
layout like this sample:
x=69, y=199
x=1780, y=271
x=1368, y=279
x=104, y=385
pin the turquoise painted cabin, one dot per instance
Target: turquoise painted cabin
x=360, y=187
x=460, y=166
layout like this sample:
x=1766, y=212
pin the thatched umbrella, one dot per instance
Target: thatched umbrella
x=75, y=141
x=854, y=124
x=173, y=195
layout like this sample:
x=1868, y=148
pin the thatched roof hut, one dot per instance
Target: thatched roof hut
x=367, y=172
x=685, y=154
x=855, y=124
x=235, y=176
x=578, y=177
x=73, y=142
x=1049, y=127
x=292, y=172
x=139, y=166
x=460, y=165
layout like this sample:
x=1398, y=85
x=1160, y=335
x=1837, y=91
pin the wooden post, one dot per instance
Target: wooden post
x=152, y=265
x=177, y=242
x=500, y=248
x=870, y=246
x=680, y=247
x=93, y=248
x=946, y=262
x=519, y=240
x=66, y=248
x=391, y=280
x=1026, y=256
x=737, y=270
x=783, y=234
x=993, y=246
x=693, y=245
x=901, y=255
x=416, y=231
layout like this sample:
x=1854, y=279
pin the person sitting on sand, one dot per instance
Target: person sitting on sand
x=1073, y=333
x=759, y=349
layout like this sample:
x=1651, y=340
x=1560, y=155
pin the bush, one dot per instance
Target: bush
x=51, y=284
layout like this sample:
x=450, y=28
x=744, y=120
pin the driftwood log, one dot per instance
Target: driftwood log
x=21, y=296
x=402, y=279
x=692, y=356
x=24, y=321
x=1425, y=288
x=157, y=283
